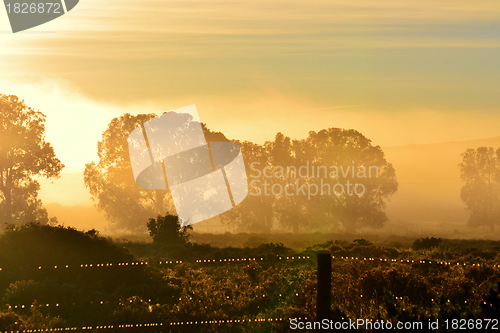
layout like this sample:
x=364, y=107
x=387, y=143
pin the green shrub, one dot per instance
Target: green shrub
x=426, y=243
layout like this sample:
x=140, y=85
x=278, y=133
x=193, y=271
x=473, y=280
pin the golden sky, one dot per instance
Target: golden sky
x=400, y=72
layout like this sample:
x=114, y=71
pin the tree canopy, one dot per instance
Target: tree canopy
x=168, y=230
x=24, y=154
x=331, y=159
x=111, y=182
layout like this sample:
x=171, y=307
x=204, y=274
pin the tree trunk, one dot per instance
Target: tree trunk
x=7, y=193
x=159, y=202
x=8, y=206
x=267, y=224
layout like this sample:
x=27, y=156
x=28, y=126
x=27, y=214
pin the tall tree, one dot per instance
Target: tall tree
x=356, y=161
x=24, y=154
x=168, y=230
x=480, y=170
x=293, y=212
x=281, y=172
x=111, y=182
x=255, y=213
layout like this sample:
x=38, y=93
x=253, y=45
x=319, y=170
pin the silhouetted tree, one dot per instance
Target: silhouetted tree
x=356, y=161
x=24, y=154
x=276, y=168
x=111, y=181
x=426, y=243
x=293, y=212
x=168, y=230
x=256, y=213
x=480, y=170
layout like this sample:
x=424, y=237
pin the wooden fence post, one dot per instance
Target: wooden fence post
x=324, y=296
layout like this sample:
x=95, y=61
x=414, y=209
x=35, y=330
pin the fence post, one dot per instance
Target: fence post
x=324, y=296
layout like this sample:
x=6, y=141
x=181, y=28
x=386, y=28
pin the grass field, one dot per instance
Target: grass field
x=56, y=277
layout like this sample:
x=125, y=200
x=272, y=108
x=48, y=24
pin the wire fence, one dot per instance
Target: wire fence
x=209, y=262
x=260, y=259
x=158, y=325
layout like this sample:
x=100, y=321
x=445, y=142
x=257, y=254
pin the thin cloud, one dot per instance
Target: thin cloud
x=338, y=107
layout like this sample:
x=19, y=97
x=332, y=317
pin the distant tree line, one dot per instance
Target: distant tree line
x=25, y=155
x=128, y=207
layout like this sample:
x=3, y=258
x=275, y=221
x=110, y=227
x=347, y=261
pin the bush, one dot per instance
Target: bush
x=168, y=230
x=426, y=243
